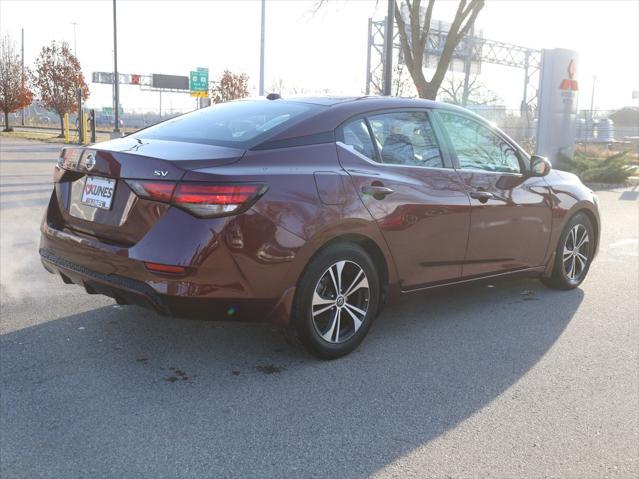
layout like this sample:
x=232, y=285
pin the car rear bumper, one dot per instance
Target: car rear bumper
x=111, y=270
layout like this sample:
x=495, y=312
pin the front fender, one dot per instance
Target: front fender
x=570, y=196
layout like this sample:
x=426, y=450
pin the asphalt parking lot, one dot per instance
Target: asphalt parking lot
x=502, y=380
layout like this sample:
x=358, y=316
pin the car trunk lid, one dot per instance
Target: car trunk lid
x=92, y=191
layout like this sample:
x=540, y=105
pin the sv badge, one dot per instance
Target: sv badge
x=160, y=172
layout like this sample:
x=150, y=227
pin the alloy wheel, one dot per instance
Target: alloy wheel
x=340, y=302
x=576, y=250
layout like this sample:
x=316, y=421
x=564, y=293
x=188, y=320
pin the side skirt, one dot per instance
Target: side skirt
x=536, y=271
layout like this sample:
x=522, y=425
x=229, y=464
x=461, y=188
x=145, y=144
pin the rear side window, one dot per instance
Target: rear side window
x=406, y=138
x=356, y=135
x=241, y=124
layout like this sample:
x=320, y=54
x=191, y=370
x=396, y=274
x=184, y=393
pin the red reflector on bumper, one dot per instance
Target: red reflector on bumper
x=165, y=268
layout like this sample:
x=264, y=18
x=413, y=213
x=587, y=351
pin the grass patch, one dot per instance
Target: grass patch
x=46, y=136
x=33, y=135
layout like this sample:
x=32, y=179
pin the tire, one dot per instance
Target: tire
x=328, y=324
x=571, y=264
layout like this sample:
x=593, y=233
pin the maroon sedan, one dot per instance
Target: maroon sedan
x=311, y=213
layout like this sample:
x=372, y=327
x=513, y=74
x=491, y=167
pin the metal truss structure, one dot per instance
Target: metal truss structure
x=472, y=49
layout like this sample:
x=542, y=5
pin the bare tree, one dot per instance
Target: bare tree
x=414, y=35
x=58, y=79
x=413, y=47
x=452, y=91
x=401, y=85
x=231, y=86
x=278, y=86
x=14, y=93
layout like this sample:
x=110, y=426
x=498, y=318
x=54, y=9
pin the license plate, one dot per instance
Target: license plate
x=98, y=192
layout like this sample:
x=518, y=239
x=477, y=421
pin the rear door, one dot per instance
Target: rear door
x=407, y=184
x=511, y=212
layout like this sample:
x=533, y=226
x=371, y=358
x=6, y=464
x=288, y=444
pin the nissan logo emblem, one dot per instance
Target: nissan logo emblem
x=89, y=163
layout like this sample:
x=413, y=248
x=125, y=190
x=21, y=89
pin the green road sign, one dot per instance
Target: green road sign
x=108, y=110
x=199, y=80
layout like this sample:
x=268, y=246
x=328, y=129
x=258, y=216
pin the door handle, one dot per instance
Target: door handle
x=377, y=191
x=482, y=196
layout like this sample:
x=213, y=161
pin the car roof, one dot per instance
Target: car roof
x=320, y=100
x=337, y=109
x=364, y=100
x=370, y=103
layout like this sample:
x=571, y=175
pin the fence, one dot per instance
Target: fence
x=39, y=117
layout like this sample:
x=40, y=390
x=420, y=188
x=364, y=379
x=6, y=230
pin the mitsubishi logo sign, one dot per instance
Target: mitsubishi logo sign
x=569, y=83
x=557, y=105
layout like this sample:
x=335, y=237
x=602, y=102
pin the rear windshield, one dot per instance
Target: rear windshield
x=240, y=124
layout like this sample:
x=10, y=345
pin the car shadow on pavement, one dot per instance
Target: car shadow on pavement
x=122, y=392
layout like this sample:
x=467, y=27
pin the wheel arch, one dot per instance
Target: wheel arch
x=594, y=220
x=589, y=209
x=372, y=248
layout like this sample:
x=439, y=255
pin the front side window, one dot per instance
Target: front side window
x=478, y=147
x=238, y=123
x=406, y=138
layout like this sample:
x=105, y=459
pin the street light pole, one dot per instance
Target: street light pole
x=388, y=48
x=262, y=48
x=116, y=77
x=75, y=45
x=22, y=79
x=80, y=119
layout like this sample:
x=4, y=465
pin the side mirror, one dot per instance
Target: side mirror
x=539, y=166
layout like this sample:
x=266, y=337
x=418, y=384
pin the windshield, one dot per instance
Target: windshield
x=241, y=124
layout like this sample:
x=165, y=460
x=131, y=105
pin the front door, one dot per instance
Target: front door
x=511, y=212
x=419, y=203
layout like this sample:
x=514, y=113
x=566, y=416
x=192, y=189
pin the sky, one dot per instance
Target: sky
x=315, y=49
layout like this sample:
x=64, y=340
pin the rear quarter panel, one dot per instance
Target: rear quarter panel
x=294, y=223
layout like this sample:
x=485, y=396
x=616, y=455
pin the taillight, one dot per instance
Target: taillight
x=214, y=200
x=153, y=190
x=205, y=200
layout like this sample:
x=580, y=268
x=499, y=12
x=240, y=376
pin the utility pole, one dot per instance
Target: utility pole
x=75, y=44
x=80, y=117
x=22, y=80
x=388, y=48
x=116, y=76
x=262, y=48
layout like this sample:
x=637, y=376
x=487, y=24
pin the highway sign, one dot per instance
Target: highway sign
x=125, y=78
x=108, y=110
x=199, y=80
